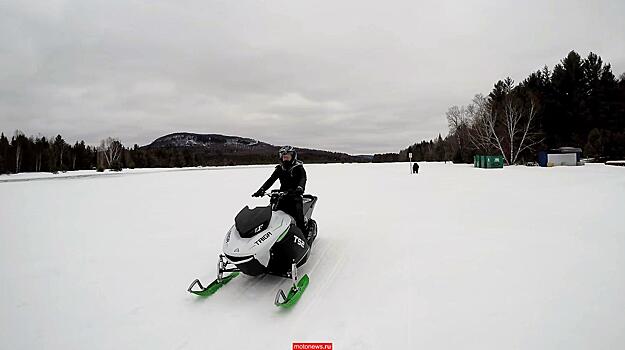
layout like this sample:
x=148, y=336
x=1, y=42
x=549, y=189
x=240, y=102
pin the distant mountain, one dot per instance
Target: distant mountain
x=185, y=139
x=216, y=149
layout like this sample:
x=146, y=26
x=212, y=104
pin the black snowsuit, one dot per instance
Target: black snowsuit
x=415, y=168
x=291, y=179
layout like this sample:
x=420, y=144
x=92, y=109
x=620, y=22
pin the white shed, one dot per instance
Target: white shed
x=555, y=159
x=560, y=156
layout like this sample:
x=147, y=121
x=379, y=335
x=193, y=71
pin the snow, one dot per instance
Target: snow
x=454, y=257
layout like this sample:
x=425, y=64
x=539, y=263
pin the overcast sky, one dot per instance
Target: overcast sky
x=352, y=76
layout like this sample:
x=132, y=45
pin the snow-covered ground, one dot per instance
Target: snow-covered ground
x=451, y=258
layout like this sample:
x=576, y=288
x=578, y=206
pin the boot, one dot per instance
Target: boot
x=311, y=231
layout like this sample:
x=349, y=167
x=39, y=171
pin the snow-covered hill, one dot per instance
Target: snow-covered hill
x=451, y=258
x=185, y=139
x=215, y=149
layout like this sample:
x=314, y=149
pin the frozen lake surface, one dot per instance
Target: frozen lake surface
x=452, y=258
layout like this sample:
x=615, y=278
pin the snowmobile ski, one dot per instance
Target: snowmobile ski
x=211, y=288
x=295, y=293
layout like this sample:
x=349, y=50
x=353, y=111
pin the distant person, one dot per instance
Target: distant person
x=292, y=177
x=415, y=168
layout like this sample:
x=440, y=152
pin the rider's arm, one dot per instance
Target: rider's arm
x=274, y=176
x=302, y=179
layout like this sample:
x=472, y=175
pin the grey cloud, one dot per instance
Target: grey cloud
x=349, y=76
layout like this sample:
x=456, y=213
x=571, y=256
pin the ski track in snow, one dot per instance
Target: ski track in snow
x=337, y=262
x=454, y=257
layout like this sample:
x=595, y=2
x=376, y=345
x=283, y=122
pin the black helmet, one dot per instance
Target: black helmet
x=288, y=150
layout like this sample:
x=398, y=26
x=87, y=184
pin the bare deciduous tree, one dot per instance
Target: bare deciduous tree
x=479, y=115
x=519, y=123
x=18, y=154
x=511, y=132
x=458, y=125
x=110, y=150
x=62, y=145
x=18, y=150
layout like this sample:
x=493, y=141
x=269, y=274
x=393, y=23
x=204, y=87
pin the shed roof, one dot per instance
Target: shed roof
x=566, y=150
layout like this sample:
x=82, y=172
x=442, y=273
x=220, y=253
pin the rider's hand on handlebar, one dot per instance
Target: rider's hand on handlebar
x=298, y=191
x=259, y=193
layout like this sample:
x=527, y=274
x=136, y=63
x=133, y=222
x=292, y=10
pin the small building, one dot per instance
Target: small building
x=568, y=156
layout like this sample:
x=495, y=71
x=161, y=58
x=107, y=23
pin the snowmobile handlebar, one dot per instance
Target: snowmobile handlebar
x=276, y=193
x=280, y=194
x=275, y=197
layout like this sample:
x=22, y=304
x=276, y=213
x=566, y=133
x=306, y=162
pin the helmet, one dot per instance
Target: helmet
x=288, y=150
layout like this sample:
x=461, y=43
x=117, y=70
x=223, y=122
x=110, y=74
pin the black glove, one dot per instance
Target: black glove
x=259, y=193
x=298, y=191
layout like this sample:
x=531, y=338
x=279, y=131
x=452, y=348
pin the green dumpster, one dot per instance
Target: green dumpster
x=494, y=162
x=488, y=162
x=499, y=161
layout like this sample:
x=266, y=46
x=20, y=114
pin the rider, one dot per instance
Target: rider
x=292, y=177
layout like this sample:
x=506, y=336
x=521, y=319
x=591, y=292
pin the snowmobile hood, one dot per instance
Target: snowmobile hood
x=249, y=222
x=258, y=245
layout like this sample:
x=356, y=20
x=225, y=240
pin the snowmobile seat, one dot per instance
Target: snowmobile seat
x=249, y=222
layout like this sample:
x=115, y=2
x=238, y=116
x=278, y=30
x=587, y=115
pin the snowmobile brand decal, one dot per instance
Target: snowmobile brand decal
x=261, y=239
x=299, y=241
x=258, y=229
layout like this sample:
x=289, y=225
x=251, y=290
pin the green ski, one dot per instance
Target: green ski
x=211, y=288
x=295, y=293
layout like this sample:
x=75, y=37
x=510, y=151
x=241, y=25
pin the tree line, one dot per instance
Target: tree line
x=41, y=154
x=579, y=103
x=25, y=154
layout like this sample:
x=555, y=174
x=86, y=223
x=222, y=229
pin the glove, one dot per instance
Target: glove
x=298, y=191
x=259, y=193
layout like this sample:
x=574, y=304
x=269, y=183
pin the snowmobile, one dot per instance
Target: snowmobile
x=265, y=240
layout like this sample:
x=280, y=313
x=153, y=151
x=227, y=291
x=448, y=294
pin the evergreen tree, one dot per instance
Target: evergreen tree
x=4, y=154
